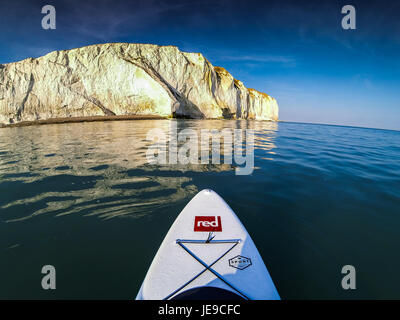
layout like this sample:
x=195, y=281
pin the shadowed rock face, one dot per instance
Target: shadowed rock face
x=123, y=79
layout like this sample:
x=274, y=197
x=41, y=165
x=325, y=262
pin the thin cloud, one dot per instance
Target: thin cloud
x=104, y=21
x=365, y=80
x=289, y=61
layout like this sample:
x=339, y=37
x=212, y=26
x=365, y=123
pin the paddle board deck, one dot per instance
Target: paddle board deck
x=207, y=246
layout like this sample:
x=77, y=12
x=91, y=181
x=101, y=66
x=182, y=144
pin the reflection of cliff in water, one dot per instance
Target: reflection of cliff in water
x=99, y=168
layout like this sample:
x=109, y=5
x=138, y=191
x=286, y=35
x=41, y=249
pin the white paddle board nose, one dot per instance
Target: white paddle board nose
x=207, y=246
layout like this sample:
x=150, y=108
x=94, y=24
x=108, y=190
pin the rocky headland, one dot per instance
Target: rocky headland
x=125, y=79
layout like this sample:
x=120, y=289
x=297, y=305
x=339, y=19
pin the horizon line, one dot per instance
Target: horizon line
x=338, y=125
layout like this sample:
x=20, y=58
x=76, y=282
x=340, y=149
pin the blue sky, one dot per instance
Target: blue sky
x=295, y=51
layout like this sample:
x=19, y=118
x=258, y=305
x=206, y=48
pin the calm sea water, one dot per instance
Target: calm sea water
x=81, y=197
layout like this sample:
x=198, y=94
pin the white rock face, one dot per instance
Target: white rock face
x=126, y=79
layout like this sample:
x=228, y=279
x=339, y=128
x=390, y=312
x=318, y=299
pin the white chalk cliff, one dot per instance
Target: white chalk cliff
x=125, y=79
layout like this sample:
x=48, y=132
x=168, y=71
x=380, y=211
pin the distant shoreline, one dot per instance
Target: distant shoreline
x=104, y=118
x=82, y=119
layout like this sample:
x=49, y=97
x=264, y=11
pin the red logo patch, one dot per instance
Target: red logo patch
x=207, y=223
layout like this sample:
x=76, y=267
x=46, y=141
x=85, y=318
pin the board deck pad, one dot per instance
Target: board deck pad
x=207, y=245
